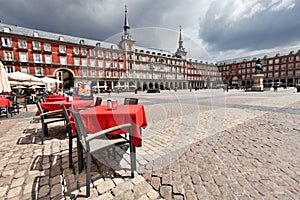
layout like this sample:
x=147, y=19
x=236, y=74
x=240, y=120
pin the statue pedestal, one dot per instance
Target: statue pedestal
x=258, y=83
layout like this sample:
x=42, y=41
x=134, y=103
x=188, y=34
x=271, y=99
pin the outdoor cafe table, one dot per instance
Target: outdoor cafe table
x=5, y=103
x=100, y=117
x=58, y=98
x=55, y=105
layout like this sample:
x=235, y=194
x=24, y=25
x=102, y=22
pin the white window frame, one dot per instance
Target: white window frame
x=47, y=47
x=84, y=73
x=23, y=56
x=76, y=61
x=83, y=51
x=100, y=63
x=92, y=52
x=38, y=71
x=22, y=44
x=107, y=64
x=9, y=68
x=100, y=53
x=63, y=60
x=37, y=58
x=93, y=73
x=76, y=50
x=107, y=55
x=48, y=59
x=107, y=74
x=8, y=55
x=92, y=62
x=62, y=49
x=84, y=62
x=36, y=45
x=121, y=65
x=6, y=42
x=25, y=69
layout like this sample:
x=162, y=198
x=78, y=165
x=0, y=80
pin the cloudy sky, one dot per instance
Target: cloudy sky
x=212, y=30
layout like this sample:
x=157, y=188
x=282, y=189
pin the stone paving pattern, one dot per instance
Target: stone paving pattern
x=253, y=154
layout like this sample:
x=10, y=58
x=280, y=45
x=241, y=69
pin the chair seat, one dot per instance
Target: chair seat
x=104, y=143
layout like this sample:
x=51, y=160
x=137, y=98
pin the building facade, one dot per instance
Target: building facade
x=122, y=66
x=283, y=68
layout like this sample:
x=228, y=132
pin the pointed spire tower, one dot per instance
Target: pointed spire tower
x=126, y=43
x=181, y=53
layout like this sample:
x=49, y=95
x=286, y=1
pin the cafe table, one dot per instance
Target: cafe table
x=6, y=103
x=58, y=98
x=100, y=118
x=55, y=105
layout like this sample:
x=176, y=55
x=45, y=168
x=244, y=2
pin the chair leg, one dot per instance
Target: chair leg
x=80, y=156
x=88, y=174
x=70, y=151
x=132, y=156
x=43, y=132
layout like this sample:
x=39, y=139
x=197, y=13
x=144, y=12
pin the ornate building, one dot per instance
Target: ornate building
x=123, y=66
x=282, y=68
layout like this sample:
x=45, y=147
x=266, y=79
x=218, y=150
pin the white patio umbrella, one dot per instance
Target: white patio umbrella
x=19, y=76
x=49, y=82
x=4, y=83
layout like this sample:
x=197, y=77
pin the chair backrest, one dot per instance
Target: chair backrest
x=80, y=129
x=131, y=101
x=21, y=99
x=68, y=122
x=98, y=101
x=38, y=104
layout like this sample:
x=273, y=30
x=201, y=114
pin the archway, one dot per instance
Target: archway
x=67, y=78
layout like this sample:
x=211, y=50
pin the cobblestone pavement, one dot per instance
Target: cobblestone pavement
x=199, y=145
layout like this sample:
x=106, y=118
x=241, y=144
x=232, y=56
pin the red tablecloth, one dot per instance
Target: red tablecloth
x=99, y=118
x=5, y=102
x=54, y=95
x=55, y=105
x=58, y=98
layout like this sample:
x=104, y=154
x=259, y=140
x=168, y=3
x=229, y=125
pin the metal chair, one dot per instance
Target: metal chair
x=97, y=142
x=130, y=101
x=71, y=136
x=48, y=118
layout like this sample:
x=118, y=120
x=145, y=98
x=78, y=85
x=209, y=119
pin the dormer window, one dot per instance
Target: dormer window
x=6, y=30
x=98, y=44
x=35, y=34
x=60, y=38
x=81, y=42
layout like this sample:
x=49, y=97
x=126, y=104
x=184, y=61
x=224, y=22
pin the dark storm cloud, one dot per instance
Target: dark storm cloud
x=225, y=26
x=267, y=27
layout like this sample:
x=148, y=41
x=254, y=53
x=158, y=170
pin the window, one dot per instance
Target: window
x=47, y=47
x=114, y=55
x=77, y=61
x=291, y=59
x=6, y=42
x=283, y=73
x=63, y=60
x=276, y=60
x=8, y=55
x=36, y=45
x=298, y=73
x=121, y=74
x=83, y=51
x=37, y=58
x=114, y=65
x=23, y=56
x=24, y=69
x=22, y=44
x=93, y=73
x=121, y=56
x=38, y=71
x=270, y=62
x=92, y=62
x=100, y=54
x=108, y=74
x=10, y=69
x=6, y=30
x=115, y=74
x=270, y=74
x=84, y=73
x=107, y=55
x=100, y=63
x=75, y=50
x=283, y=60
x=92, y=52
x=107, y=64
x=35, y=34
x=62, y=49
x=290, y=73
x=121, y=65
x=276, y=74
x=291, y=66
x=84, y=62
x=48, y=59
